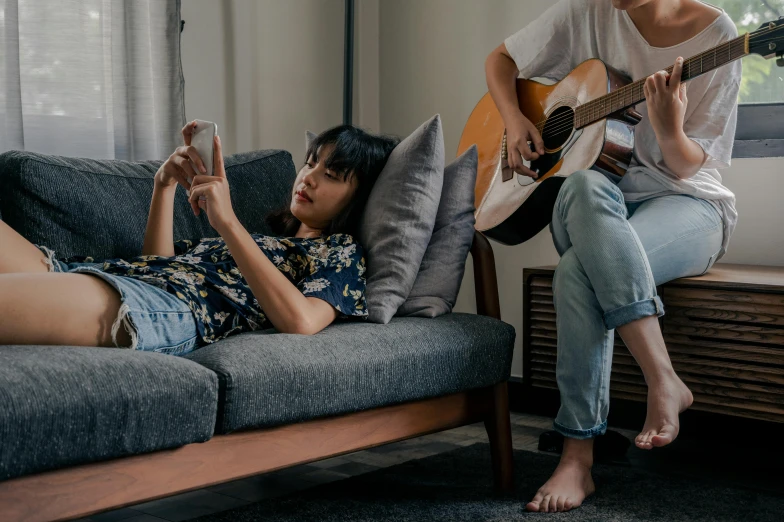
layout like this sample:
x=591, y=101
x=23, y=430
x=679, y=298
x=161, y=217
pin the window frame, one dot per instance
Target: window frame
x=760, y=131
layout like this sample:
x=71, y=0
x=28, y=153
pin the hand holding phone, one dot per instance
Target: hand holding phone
x=202, y=139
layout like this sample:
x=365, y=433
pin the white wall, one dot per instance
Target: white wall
x=432, y=60
x=267, y=70
x=264, y=70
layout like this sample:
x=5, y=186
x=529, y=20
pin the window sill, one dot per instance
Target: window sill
x=758, y=149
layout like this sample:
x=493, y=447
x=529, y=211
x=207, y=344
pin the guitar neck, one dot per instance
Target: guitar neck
x=632, y=94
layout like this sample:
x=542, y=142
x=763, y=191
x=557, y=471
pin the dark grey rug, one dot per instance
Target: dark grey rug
x=457, y=485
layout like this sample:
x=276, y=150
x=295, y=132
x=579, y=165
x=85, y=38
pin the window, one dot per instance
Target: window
x=93, y=78
x=761, y=112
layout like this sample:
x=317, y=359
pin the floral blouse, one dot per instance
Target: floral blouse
x=206, y=277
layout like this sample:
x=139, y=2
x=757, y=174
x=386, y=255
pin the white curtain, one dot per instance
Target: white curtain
x=91, y=78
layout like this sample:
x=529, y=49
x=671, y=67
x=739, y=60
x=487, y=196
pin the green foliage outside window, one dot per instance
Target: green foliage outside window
x=763, y=81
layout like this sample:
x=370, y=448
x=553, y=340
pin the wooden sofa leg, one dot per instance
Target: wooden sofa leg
x=499, y=432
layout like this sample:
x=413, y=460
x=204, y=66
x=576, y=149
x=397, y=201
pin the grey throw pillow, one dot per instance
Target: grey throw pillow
x=309, y=137
x=438, y=282
x=399, y=220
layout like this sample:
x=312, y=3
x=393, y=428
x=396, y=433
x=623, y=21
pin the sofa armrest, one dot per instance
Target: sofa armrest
x=485, y=280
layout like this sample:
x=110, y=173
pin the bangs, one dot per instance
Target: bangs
x=350, y=157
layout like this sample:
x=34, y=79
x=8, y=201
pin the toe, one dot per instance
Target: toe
x=645, y=443
x=536, y=503
x=568, y=504
x=532, y=506
x=665, y=436
x=560, y=504
x=553, y=504
x=545, y=505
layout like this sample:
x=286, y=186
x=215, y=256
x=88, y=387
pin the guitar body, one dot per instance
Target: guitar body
x=511, y=208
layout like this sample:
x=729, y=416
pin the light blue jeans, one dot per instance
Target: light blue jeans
x=613, y=255
x=156, y=320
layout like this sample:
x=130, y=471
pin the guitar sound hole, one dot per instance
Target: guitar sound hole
x=558, y=128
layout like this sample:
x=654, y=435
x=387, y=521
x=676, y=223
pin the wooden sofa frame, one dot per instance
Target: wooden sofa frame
x=87, y=489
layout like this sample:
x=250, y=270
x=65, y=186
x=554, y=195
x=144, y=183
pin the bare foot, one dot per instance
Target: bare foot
x=666, y=400
x=567, y=488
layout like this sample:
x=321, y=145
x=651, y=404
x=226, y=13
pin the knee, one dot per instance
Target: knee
x=588, y=188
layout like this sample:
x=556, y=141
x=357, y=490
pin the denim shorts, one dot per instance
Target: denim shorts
x=155, y=320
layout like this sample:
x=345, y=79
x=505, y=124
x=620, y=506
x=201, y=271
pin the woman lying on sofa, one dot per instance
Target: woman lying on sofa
x=178, y=296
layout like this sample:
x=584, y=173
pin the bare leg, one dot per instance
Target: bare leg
x=668, y=396
x=58, y=309
x=18, y=254
x=571, y=482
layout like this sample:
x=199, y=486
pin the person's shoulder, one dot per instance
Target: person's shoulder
x=722, y=25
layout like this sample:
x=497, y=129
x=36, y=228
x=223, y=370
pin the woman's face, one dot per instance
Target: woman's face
x=320, y=194
x=625, y=5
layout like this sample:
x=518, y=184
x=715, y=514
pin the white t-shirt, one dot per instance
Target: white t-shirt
x=573, y=31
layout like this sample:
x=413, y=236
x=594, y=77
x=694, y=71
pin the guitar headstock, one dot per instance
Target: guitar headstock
x=768, y=40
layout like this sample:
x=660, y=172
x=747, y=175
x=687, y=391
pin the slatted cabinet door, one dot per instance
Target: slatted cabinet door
x=724, y=332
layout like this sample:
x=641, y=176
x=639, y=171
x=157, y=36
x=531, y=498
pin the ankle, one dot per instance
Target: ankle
x=577, y=453
x=582, y=463
x=661, y=377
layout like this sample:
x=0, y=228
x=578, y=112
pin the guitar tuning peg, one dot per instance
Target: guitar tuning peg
x=780, y=61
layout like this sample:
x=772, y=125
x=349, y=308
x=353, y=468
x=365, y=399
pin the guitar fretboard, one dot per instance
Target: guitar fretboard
x=633, y=93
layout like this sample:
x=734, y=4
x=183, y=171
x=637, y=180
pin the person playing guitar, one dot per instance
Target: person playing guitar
x=668, y=217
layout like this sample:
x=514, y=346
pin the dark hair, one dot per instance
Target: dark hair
x=357, y=153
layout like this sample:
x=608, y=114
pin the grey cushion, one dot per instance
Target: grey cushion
x=61, y=406
x=309, y=137
x=441, y=273
x=268, y=380
x=399, y=219
x=99, y=207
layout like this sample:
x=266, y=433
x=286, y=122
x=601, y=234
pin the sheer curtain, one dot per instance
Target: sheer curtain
x=91, y=78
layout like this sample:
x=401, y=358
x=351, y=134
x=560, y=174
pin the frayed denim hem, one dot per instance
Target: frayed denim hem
x=631, y=312
x=51, y=262
x=581, y=434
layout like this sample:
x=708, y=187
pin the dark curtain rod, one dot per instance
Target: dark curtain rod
x=348, y=64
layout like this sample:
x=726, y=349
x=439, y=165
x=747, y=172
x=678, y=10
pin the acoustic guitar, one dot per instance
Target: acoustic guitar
x=587, y=122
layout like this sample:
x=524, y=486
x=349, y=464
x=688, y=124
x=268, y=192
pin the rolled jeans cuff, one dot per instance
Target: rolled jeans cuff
x=631, y=312
x=581, y=434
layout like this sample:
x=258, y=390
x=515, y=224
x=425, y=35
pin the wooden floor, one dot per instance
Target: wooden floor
x=715, y=459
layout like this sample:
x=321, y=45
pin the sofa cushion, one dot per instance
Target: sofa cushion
x=99, y=208
x=399, y=218
x=63, y=406
x=267, y=380
x=441, y=273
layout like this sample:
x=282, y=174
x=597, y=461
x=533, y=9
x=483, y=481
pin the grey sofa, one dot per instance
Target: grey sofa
x=83, y=430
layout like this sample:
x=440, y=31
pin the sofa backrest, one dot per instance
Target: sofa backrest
x=99, y=208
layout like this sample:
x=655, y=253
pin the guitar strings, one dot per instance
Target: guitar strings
x=635, y=85
x=620, y=93
x=562, y=122
x=731, y=46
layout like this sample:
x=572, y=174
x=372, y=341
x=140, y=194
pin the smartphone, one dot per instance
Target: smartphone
x=203, y=140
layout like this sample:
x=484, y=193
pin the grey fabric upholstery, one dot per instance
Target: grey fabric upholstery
x=399, y=219
x=272, y=379
x=61, y=406
x=441, y=273
x=99, y=207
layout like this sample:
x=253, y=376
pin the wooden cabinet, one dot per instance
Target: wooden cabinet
x=724, y=332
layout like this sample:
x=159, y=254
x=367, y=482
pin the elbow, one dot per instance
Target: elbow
x=687, y=172
x=301, y=326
